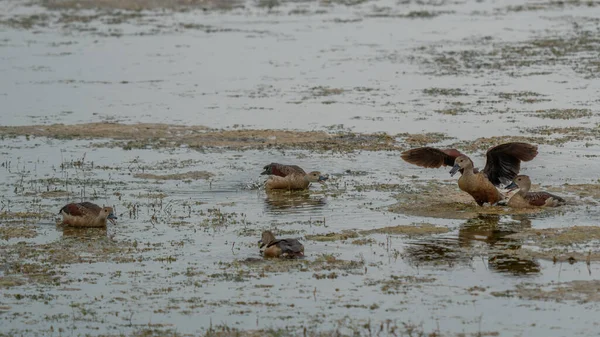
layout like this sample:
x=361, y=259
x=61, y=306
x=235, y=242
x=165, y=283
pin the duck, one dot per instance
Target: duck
x=290, y=177
x=502, y=166
x=273, y=248
x=87, y=214
x=525, y=199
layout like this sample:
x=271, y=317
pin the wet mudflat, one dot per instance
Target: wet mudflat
x=168, y=110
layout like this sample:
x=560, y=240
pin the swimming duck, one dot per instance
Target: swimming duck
x=87, y=214
x=525, y=199
x=270, y=247
x=290, y=177
x=502, y=165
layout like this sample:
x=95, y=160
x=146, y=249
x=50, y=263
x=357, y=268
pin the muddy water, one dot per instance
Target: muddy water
x=184, y=257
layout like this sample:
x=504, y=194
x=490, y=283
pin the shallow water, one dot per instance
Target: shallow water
x=184, y=256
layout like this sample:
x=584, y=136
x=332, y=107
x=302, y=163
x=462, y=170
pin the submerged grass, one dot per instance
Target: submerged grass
x=411, y=230
x=580, y=291
x=191, y=175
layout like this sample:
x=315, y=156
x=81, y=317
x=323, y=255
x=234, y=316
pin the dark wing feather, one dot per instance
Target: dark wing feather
x=539, y=198
x=91, y=206
x=80, y=209
x=72, y=209
x=430, y=157
x=504, y=161
x=282, y=170
x=290, y=246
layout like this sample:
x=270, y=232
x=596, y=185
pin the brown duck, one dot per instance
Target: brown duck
x=525, y=199
x=502, y=165
x=87, y=214
x=290, y=177
x=270, y=247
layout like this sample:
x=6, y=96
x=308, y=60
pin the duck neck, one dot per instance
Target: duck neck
x=100, y=220
x=523, y=190
x=468, y=171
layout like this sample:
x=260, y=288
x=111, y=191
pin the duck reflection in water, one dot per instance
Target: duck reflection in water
x=489, y=229
x=286, y=200
x=84, y=233
x=450, y=251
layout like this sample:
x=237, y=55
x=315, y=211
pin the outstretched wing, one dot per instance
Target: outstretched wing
x=504, y=161
x=282, y=170
x=430, y=157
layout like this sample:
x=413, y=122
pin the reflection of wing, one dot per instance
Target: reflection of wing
x=504, y=161
x=282, y=170
x=430, y=157
x=505, y=263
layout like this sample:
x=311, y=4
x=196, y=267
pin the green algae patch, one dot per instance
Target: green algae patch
x=102, y=130
x=562, y=113
x=591, y=192
x=22, y=217
x=400, y=284
x=481, y=56
x=444, y=92
x=539, y=135
x=363, y=242
x=549, y=5
x=139, y=5
x=12, y=232
x=549, y=237
x=341, y=236
x=321, y=91
x=556, y=255
x=191, y=175
x=148, y=135
x=412, y=230
x=561, y=135
x=580, y=291
x=422, y=139
x=10, y=281
x=524, y=96
x=259, y=267
x=571, y=244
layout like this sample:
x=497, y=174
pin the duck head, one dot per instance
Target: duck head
x=108, y=212
x=316, y=177
x=460, y=163
x=521, y=182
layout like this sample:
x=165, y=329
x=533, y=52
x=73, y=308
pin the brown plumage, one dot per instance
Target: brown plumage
x=86, y=214
x=525, y=199
x=271, y=247
x=282, y=170
x=502, y=165
x=290, y=177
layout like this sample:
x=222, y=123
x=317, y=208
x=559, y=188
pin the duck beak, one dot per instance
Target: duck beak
x=455, y=169
x=512, y=186
x=112, y=218
x=322, y=179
